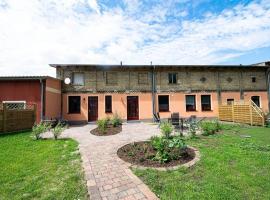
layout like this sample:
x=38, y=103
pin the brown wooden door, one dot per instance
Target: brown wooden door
x=132, y=108
x=92, y=109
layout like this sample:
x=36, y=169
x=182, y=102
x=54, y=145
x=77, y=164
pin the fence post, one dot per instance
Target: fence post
x=35, y=113
x=4, y=117
x=233, y=112
x=251, y=118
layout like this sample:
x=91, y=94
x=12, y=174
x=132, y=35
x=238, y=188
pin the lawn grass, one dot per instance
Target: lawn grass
x=231, y=167
x=43, y=169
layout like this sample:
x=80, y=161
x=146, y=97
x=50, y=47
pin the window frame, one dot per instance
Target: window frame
x=73, y=78
x=109, y=110
x=210, y=102
x=171, y=74
x=195, y=103
x=168, y=107
x=258, y=99
x=15, y=102
x=80, y=102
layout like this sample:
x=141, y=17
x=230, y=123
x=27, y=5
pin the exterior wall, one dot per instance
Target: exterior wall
x=230, y=95
x=263, y=99
x=24, y=90
x=52, y=99
x=119, y=105
x=177, y=103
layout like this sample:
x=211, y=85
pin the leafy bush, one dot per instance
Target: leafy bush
x=210, y=127
x=116, y=120
x=57, y=130
x=167, y=148
x=40, y=128
x=102, y=125
x=166, y=129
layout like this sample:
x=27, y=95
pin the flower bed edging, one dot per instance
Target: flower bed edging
x=189, y=164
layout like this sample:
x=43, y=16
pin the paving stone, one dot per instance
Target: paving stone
x=108, y=177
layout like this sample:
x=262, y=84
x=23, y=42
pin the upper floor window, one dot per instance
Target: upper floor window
x=74, y=104
x=78, y=78
x=163, y=103
x=253, y=79
x=111, y=78
x=190, y=103
x=256, y=100
x=206, y=102
x=108, y=104
x=143, y=78
x=230, y=101
x=172, y=78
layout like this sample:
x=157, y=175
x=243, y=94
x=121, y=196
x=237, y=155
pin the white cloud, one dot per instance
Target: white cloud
x=35, y=33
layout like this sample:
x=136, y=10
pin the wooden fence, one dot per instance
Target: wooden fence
x=17, y=119
x=247, y=113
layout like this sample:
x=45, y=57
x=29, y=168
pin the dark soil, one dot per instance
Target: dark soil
x=142, y=153
x=110, y=131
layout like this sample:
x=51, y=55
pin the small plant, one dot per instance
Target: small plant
x=40, y=128
x=166, y=129
x=102, y=125
x=57, y=130
x=116, y=120
x=210, y=127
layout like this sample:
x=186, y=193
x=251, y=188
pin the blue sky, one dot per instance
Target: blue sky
x=35, y=33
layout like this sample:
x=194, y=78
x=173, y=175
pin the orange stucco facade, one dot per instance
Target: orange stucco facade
x=177, y=103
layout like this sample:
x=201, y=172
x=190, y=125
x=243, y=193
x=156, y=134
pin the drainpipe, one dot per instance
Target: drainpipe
x=268, y=88
x=153, y=91
x=41, y=99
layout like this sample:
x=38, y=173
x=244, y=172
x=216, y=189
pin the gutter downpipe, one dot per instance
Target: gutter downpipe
x=153, y=92
x=268, y=87
x=41, y=99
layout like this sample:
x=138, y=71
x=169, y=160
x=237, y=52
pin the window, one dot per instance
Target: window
x=172, y=78
x=143, y=78
x=163, y=103
x=206, y=102
x=253, y=79
x=230, y=101
x=74, y=104
x=111, y=78
x=78, y=79
x=108, y=104
x=15, y=105
x=256, y=100
x=190, y=103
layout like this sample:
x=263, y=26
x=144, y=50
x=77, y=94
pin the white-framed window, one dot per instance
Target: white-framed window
x=78, y=78
x=14, y=105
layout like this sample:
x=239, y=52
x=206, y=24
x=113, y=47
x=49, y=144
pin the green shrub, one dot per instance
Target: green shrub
x=210, y=127
x=57, y=130
x=102, y=125
x=40, y=128
x=116, y=120
x=166, y=129
x=167, y=148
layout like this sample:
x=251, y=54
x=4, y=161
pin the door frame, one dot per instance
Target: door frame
x=88, y=105
x=137, y=118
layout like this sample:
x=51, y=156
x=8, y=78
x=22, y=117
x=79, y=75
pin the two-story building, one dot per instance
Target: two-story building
x=135, y=92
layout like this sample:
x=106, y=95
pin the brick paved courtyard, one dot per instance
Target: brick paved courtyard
x=108, y=177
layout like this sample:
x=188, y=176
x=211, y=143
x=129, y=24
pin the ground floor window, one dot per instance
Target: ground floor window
x=74, y=104
x=190, y=103
x=108, y=104
x=230, y=101
x=163, y=103
x=256, y=100
x=15, y=105
x=206, y=102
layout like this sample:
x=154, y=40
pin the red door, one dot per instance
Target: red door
x=132, y=108
x=92, y=109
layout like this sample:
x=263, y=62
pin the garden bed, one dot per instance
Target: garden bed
x=110, y=130
x=143, y=154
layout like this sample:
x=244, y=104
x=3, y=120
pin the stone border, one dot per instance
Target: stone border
x=186, y=165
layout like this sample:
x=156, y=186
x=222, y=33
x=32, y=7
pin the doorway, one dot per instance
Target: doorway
x=132, y=108
x=92, y=108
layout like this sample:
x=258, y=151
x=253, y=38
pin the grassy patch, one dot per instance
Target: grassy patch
x=232, y=167
x=42, y=169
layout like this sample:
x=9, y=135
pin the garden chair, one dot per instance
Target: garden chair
x=175, y=120
x=157, y=118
